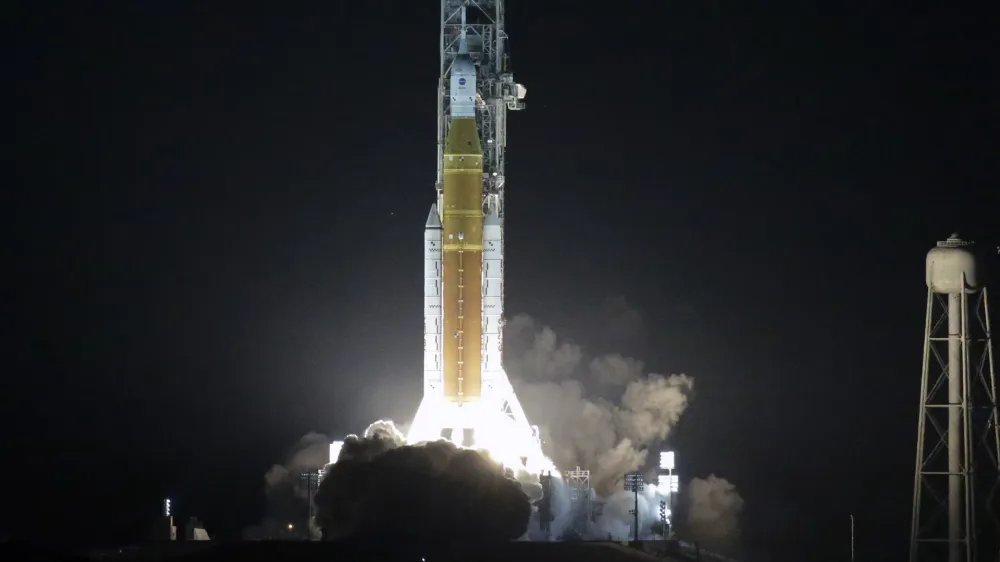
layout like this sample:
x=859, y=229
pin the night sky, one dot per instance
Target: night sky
x=218, y=216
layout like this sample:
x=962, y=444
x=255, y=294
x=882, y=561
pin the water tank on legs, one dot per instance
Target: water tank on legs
x=953, y=266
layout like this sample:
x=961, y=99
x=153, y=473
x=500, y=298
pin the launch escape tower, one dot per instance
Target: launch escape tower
x=956, y=490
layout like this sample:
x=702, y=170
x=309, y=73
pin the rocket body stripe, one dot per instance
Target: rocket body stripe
x=462, y=257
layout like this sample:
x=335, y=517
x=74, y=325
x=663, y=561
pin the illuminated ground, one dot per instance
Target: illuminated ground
x=317, y=551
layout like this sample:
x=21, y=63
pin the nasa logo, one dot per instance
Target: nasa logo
x=461, y=81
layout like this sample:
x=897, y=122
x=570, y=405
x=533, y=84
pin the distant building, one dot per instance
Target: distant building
x=195, y=531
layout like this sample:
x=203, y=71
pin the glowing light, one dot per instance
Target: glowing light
x=662, y=482
x=166, y=507
x=290, y=526
x=667, y=460
x=675, y=483
x=634, y=482
x=335, y=448
x=514, y=445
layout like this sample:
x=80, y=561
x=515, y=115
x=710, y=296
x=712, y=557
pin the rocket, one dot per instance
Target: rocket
x=467, y=395
x=453, y=270
x=462, y=240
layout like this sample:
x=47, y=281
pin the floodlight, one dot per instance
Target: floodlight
x=675, y=483
x=634, y=482
x=662, y=482
x=166, y=507
x=666, y=460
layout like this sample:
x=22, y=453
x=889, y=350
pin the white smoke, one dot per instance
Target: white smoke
x=610, y=431
x=309, y=454
x=616, y=520
x=608, y=438
x=287, y=494
x=387, y=429
x=713, y=512
x=615, y=370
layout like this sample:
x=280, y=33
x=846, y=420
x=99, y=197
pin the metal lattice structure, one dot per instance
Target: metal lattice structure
x=545, y=516
x=634, y=483
x=957, y=476
x=578, y=482
x=487, y=40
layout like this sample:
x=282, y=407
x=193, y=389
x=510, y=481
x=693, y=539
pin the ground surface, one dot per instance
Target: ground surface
x=382, y=551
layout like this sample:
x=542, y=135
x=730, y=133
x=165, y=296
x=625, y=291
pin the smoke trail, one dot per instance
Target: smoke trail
x=714, y=508
x=427, y=493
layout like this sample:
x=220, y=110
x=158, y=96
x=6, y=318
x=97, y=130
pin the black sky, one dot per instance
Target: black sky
x=218, y=212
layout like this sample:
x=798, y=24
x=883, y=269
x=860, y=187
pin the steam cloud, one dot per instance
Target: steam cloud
x=309, y=454
x=428, y=493
x=287, y=495
x=714, y=509
x=600, y=413
x=604, y=414
x=607, y=436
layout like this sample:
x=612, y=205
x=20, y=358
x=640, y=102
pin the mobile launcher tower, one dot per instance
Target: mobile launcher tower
x=957, y=476
x=467, y=396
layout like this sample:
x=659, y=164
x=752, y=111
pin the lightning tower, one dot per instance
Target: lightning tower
x=467, y=395
x=957, y=474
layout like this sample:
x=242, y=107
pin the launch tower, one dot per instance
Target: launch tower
x=467, y=395
x=957, y=474
x=580, y=494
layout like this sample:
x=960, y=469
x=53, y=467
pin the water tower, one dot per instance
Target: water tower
x=956, y=507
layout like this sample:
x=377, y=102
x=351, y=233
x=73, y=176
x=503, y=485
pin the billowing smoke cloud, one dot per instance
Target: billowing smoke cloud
x=713, y=512
x=309, y=454
x=605, y=414
x=607, y=436
x=615, y=370
x=428, y=493
x=286, y=493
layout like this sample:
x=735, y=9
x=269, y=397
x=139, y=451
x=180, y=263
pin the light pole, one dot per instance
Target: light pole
x=663, y=519
x=852, y=537
x=668, y=484
x=634, y=484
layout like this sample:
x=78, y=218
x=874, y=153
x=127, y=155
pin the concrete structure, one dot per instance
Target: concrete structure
x=194, y=530
x=957, y=472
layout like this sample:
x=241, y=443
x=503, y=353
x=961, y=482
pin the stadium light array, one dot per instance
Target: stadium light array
x=666, y=460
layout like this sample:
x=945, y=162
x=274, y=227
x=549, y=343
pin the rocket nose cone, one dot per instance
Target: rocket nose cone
x=433, y=221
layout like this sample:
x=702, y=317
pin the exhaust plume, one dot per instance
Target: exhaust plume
x=427, y=493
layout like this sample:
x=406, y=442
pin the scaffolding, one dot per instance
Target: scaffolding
x=580, y=493
x=487, y=41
